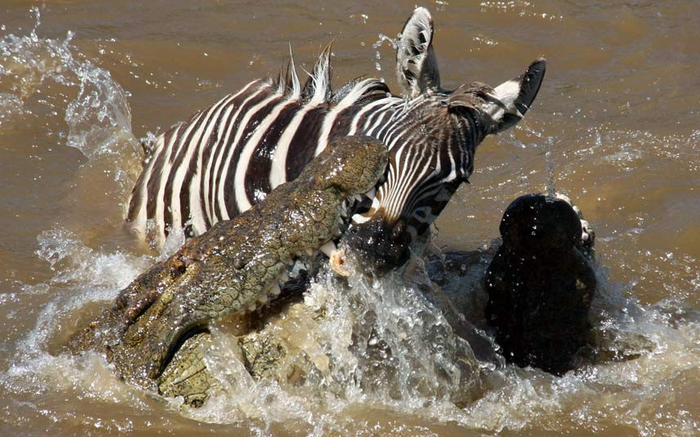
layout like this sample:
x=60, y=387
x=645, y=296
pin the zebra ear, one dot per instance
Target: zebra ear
x=516, y=96
x=416, y=65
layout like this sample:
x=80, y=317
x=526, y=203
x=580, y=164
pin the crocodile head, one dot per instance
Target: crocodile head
x=352, y=165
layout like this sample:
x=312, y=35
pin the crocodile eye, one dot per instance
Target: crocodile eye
x=239, y=261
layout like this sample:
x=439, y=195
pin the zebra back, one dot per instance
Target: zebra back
x=228, y=156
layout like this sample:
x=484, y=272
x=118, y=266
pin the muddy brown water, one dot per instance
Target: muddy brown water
x=616, y=126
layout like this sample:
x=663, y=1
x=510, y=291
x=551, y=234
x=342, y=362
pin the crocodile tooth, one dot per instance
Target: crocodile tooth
x=262, y=299
x=329, y=248
x=310, y=252
x=251, y=307
x=284, y=277
x=275, y=290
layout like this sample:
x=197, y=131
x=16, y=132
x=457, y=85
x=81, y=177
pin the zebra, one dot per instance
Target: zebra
x=228, y=156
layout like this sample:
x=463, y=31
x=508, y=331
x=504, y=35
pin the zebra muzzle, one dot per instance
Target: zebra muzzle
x=379, y=245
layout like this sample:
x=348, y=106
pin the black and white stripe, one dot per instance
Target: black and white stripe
x=229, y=156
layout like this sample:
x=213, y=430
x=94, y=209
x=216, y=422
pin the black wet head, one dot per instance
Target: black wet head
x=536, y=223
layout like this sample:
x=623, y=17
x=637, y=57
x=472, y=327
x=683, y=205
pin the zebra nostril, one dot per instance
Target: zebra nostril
x=398, y=229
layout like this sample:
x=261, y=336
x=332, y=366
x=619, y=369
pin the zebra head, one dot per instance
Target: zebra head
x=432, y=135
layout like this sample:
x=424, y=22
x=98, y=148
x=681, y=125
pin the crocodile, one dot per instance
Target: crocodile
x=154, y=333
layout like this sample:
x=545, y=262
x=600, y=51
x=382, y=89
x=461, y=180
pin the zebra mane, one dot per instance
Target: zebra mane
x=318, y=87
x=347, y=88
x=288, y=81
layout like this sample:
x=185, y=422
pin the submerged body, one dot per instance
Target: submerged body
x=231, y=268
x=541, y=284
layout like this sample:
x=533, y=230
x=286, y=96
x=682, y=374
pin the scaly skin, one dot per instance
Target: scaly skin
x=227, y=270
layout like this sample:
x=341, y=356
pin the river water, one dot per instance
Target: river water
x=616, y=127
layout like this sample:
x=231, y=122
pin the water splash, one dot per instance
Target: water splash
x=98, y=118
x=440, y=5
x=376, y=342
x=381, y=343
x=543, y=143
x=75, y=263
x=379, y=43
x=520, y=7
x=551, y=188
x=84, y=278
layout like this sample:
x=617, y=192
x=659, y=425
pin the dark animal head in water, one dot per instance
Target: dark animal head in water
x=540, y=224
x=540, y=285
